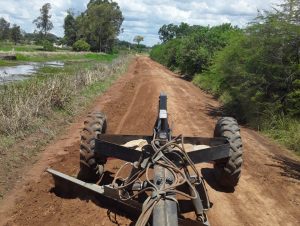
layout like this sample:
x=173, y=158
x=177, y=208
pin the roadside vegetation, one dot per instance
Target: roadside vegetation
x=63, y=56
x=34, y=111
x=255, y=71
x=24, y=103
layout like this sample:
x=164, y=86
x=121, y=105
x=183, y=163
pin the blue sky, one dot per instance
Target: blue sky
x=142, y=17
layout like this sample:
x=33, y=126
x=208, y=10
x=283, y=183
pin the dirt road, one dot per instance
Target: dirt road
x=268, y=192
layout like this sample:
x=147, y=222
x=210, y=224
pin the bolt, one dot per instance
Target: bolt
x=159, y=180
x=169, y=180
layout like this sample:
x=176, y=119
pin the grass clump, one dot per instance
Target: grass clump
x=283, y=129
x=48, y=46
x=81, y=45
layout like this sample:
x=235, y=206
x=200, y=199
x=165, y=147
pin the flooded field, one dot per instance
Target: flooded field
x=24, y=71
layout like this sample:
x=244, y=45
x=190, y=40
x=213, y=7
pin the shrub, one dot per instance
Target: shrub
x=81, y=45
x=48, y=46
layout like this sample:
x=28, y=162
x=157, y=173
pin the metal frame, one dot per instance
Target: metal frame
x=109, y=145
x=165, y=211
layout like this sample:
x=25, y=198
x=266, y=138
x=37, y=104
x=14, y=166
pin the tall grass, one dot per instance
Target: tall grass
x=283, y=129
x=34, y=111
x=24, y=104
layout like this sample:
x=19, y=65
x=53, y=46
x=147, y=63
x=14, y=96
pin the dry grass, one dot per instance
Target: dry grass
x=35, y=111
x=23, y=104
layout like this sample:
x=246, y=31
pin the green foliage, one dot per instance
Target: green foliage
x=48, y=46
x=138, y=39
x=167, y=32
x=255, y=72
x=124, y=46
x=99, y=25
x=81, y=45
x=258, y=70
x=4, y=29
x=257, y=76
x=15, y=34
x=192, y=52
x=70, y=27
x=171, y=31
x=284, y=129
x=166, y=53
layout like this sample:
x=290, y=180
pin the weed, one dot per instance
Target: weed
x=283, y=129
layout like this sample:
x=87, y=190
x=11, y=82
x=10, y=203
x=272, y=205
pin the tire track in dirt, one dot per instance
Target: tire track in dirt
x=268, y=192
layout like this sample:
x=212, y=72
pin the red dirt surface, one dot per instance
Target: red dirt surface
x=268, y=192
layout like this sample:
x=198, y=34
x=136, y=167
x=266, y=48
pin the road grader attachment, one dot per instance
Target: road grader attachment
x=162, y=181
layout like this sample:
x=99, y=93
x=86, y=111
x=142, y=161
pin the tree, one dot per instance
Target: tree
x=138, y=39
x=4, y=29
x=171, y=31
x=258, y=75
x=15, y=34
x=190, y=49
x=100, y=24
x=43, y=22
x=290, y=11
x=183, y=30
x=70, y=27
x=167, y=32
x=98, y=2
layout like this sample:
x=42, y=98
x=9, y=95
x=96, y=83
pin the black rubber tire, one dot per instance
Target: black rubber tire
x=228, y=171
x=90, y=164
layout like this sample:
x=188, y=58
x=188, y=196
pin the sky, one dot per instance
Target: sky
x=142, y=17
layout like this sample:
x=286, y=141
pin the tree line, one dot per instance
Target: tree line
x=41, y=34
x=98, y=26
x=95, y=29
x=8, y=32
x=254, y=71
x=190, y=49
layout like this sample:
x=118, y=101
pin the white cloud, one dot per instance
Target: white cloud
x=142, y=17
x=23, y=12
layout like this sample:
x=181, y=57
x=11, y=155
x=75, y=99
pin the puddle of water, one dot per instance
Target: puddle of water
x=20, y=72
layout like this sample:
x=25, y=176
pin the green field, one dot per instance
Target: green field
x=35, y=53
x=7, y=47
